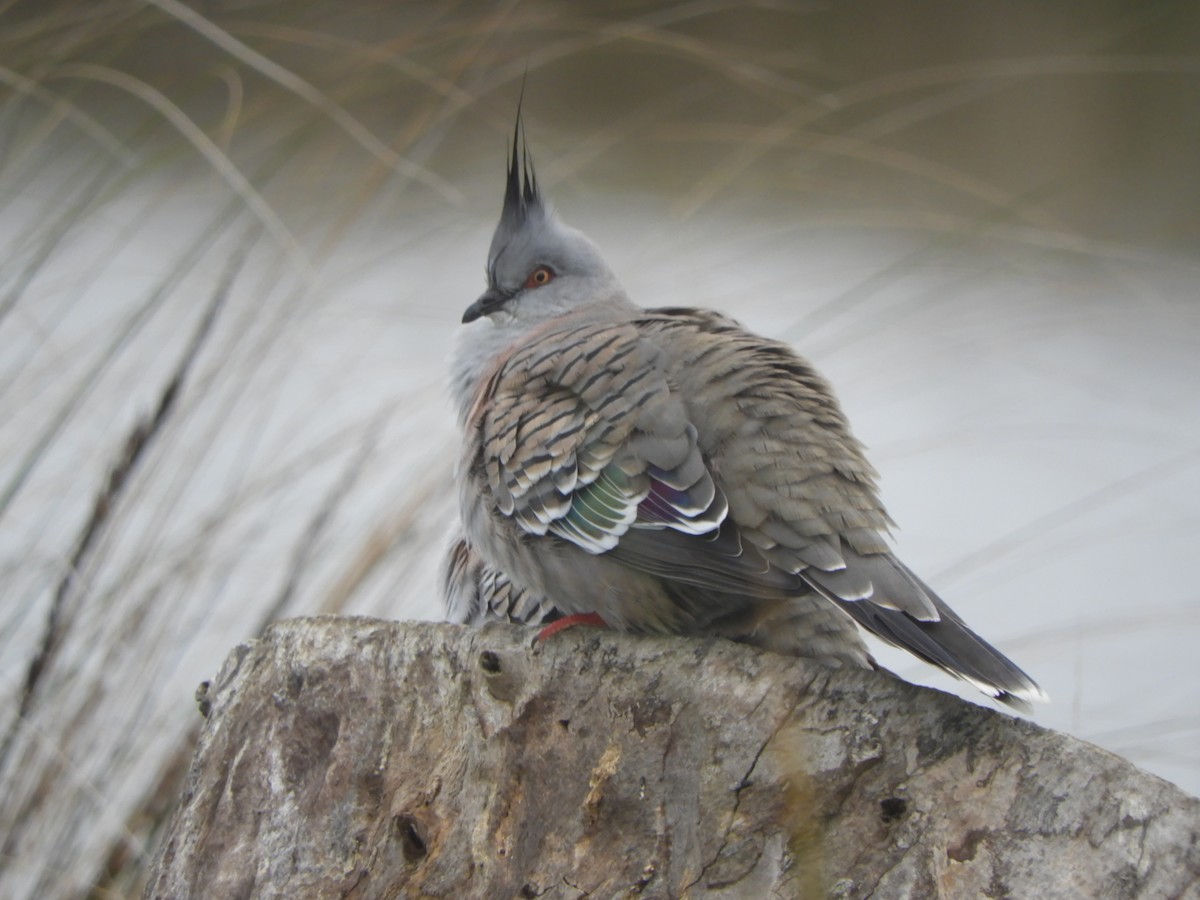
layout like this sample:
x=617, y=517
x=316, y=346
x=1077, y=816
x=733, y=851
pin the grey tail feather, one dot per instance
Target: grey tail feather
x=950, y=645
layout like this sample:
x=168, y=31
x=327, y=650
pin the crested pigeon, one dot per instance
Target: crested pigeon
x=668, y=471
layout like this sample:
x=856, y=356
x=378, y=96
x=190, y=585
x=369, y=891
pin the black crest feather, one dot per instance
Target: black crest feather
x=521, y=196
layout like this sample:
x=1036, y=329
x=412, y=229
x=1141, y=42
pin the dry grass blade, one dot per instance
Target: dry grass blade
x=306, y=91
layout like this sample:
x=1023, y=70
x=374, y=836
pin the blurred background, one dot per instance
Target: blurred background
x=238, y=237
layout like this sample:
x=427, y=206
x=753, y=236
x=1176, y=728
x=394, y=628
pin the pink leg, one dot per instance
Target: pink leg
x=571, y=621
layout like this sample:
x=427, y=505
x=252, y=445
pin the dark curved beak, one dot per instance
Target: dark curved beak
x=489, y=301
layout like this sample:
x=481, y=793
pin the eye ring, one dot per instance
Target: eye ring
x=540, y=276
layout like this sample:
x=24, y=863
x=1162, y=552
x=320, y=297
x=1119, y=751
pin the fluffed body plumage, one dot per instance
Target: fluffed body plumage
x=670, y=471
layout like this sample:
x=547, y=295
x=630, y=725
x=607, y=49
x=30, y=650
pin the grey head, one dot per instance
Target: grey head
x=538, y=268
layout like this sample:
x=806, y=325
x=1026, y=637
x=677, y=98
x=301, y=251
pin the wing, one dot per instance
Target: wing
x=692, y=450
x=582, y=438
x=476, y=593
x=687, y=448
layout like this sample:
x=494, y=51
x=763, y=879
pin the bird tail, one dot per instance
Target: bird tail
x=950, y=645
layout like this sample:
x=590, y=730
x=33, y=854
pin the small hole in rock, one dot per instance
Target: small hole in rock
x=564, y=724
x=489, y=662
x=528, y=892
x=412, y=844
x=892, y=808
x=202, y=699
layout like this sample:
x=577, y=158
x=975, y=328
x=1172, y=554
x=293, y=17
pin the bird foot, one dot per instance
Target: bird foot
x=566, y=622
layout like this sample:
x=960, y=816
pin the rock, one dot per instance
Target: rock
x=367, y=759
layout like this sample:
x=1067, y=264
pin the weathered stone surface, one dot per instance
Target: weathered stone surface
x=367, y=759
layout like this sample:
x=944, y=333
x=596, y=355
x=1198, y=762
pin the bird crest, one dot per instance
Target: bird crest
x=521, y=196
x=523, y=202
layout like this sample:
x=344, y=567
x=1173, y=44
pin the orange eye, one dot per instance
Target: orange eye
x=539, y=276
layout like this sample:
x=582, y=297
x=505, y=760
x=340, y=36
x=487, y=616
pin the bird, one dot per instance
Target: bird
x=667, y=471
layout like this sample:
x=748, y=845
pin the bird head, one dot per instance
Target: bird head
x=538, y=268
